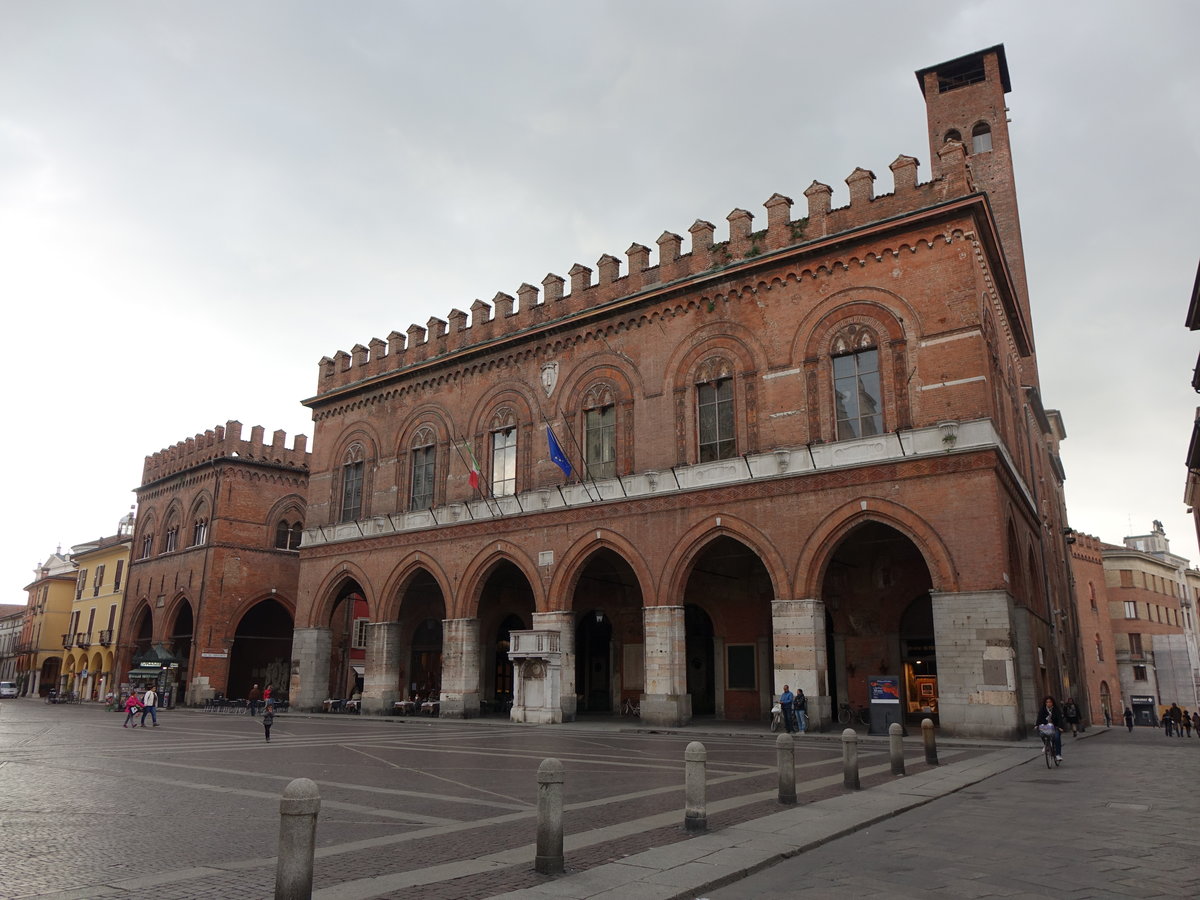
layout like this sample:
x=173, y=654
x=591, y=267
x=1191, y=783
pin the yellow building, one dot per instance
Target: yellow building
x=48, y=612
x=90, y=639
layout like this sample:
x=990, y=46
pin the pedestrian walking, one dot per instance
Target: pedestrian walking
x=1128, y=717
x=254, y=696
x=269, y=696
x=1166, y=721
x=1107, y=718
x=1185, y=720
x=268, y=719
x=150, y=705
x=1176, y=719
x=1071, y=714
x=786, y=699
x=131, y=708
x=801, y=705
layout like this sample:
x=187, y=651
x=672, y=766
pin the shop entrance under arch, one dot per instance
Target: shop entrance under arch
x=879, y=621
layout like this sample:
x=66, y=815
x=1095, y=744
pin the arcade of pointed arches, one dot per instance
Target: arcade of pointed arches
x=871, y=574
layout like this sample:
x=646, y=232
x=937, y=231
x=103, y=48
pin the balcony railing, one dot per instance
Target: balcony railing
x=106, y=637
x=83, y=640
x=68, y=641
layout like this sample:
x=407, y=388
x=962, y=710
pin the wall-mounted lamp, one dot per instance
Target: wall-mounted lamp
x=599, y=616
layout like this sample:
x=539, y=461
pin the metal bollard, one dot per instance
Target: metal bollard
x=695, y=816
x=896, y=746
x=850, y=759
x=785, y=750
x=930, y=742
x=549, y=860
x=298, y=808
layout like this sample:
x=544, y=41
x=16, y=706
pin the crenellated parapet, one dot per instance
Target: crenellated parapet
x=593, y=288
x=225, y=442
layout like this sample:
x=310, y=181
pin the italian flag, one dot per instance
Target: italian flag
x=474, y=477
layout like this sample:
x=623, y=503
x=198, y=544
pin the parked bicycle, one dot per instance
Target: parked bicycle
x=629, y=708
x=846, y=715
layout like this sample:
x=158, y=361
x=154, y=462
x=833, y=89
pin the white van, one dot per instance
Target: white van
x=7, y=690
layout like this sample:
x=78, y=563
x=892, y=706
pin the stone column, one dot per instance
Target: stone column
x=381, y=686
x=666, y=700
x=798, y=628
x=309, y=684
x=977, y=681
x=460, y=668
x=564, y=624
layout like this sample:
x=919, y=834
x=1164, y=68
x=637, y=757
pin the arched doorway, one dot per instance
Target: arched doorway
x=501, y=695
x=609, y=642
x=505, y=605
x=422, y=609
x=181, y=646
x=701, y=660
x=918, y=658
x=593, y=661
x=870, y=581
x=727, y=623
x=348, y=618
x=262, y=649
x=426, y=661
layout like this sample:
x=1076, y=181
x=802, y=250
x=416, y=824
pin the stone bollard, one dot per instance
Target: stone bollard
x=695, y=816
x=785, y=750
x=850, y=759
x=930, y=742
x=549, y=860
x=298, y=808
x=896, y=746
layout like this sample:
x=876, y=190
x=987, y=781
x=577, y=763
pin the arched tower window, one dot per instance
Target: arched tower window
x=716, y=432
x=424, y=457
x=857, y=393
x=981, y=138
x=353, y=465
x=952, y=135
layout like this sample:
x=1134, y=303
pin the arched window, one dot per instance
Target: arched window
x=600, y=432
x=857, y=393
x=952, y=135
x=504, y=453
x=1092, y=595
x=352, y=483
x=981, y=138
x=171, y=538
x=716, y=433
x=424, y=457
x=199, y=530
x=287, y=535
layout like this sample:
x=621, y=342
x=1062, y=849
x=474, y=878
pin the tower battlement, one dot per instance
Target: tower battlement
x=225, y=442
x=593, y=288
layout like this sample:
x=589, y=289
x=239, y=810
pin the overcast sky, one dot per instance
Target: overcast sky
x=200, y=200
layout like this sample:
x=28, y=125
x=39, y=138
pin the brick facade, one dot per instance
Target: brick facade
x=211, y=562
x=759, y=516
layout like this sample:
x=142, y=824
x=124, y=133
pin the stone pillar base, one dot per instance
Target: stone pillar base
x=536, y=715
x=666, y=709
x=459, y=706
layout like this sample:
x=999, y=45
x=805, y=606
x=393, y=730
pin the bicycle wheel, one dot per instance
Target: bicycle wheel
x=844, y=716
x=774, y=723
x=1048, y=753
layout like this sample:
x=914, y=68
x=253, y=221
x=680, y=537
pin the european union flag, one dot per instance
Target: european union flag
x=556, y=452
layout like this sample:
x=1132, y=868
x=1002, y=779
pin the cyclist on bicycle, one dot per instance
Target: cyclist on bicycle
x=1050, y=714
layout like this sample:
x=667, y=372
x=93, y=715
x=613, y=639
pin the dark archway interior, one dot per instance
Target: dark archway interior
x=262, y=649
x=609, y=663
x=505, y=604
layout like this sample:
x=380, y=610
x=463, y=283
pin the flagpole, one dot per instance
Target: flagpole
x=587, y=471
x=475, y=468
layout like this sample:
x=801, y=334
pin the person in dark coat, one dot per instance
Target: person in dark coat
x=1071, y=714
x=1128, y=716
x=268, y=719
x=1050, y=714
x=254, y=696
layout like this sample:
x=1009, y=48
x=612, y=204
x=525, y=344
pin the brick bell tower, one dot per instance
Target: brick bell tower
x=964, y=101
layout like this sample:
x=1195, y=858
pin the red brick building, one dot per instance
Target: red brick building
x=212, y=582
x=810, y=453
x=1097, y=649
